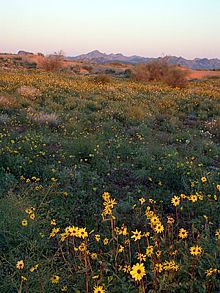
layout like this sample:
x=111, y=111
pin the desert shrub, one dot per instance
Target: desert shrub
x=157, y=70
x=52, y=62
x=29, y=92
x=110, y=71
x=128, y=73
x=102, y=79
x=160, y=71
x=26, y=64
x=88, y=68
x=140, y=73
x=176, y=77
x=75, y=68
x=154, y=71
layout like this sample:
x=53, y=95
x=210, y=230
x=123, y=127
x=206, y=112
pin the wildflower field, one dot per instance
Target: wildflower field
x=108, y=187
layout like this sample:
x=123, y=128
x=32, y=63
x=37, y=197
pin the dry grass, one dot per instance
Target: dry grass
x=6, y=102
x=42, y=118
x=135, y=112
x=29, y=92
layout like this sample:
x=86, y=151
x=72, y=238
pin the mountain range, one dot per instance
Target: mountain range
x=99, y=57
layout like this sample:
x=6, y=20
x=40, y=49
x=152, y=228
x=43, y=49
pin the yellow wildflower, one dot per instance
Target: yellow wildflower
x=34, y=268
x=28, y=211
x=53, y=222
x=195, y=250
x=149, y=250
x=183, y=233
x=82, y=247
x=126, y=269
x=217, y=233
x=97, y=237
x=159, y=228
x=138, y=271
x=82, y=233
x=210, y=272
x=141, y=257
x=105, y=241
x=158, y=267
x=193, y=197
x=74, y=231
x=175, y=200
x=94, y=255
x=54, y=279
x=20, y=265
x=32, y=216
x=106, y=196
x=24, y=222
x=158, y=253
x=124, y=230
x=154, y=220
x=98, y=289
x=170, y=265
x=121, y=249
x=23, y=279
x=142, y=200
x=136, y=235
x=54, y=232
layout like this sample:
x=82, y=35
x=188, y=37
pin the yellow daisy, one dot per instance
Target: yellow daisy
x=98, y=289
x=54, y=279
x=138, y=271
x=183, y=233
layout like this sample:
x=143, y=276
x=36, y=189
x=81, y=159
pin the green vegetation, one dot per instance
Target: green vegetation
x=151, y=152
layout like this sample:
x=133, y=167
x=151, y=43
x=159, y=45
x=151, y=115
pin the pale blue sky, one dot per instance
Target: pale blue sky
x=188, y=28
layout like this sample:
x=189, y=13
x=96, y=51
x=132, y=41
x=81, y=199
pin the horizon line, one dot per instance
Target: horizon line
x=35, y=52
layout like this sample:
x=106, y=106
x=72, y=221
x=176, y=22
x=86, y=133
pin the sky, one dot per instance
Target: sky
x=150, y=28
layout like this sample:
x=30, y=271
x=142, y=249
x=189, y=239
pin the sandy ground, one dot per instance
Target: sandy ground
x=203, y=74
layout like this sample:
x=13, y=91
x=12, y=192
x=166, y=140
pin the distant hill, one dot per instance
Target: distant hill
x=99, y=57
x=21, y=52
